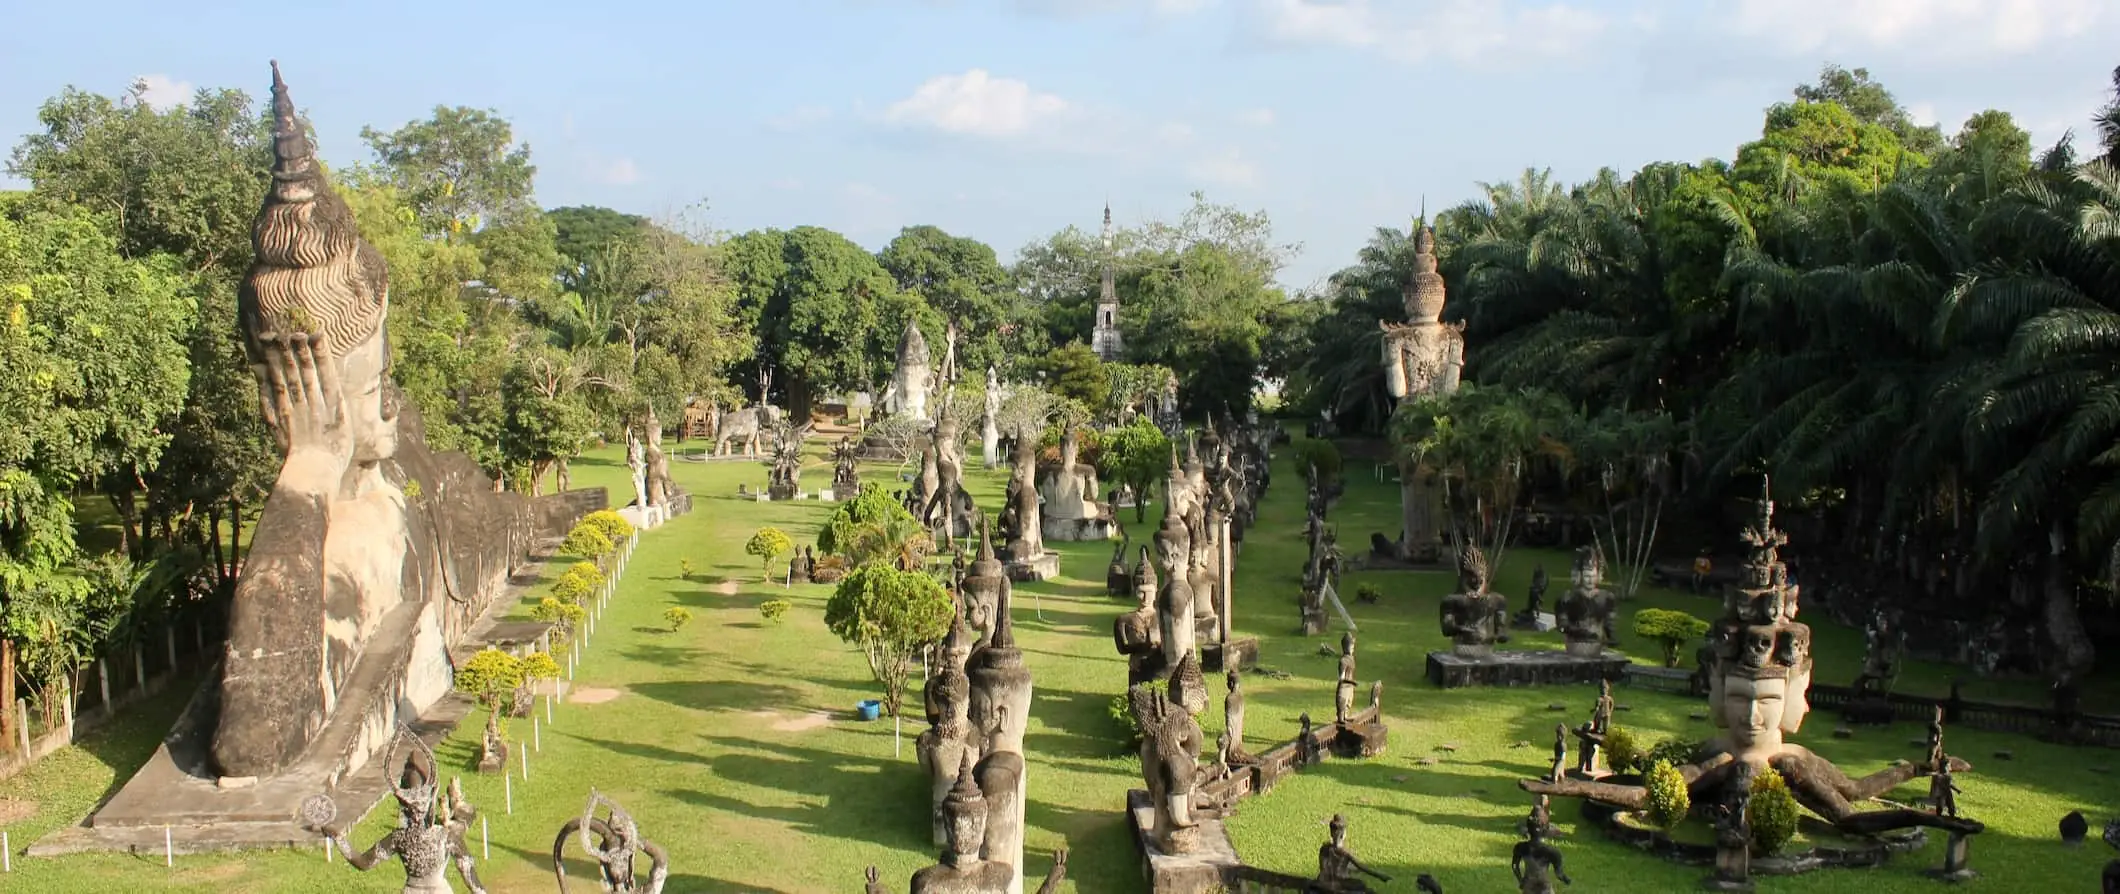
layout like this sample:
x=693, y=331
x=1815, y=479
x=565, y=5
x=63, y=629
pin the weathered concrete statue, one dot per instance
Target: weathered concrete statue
x=914, y=379
x=617, y=841
x=986, y=587
x=1170, y=760
x=1174, y=605
x=345, y=568
x=990, y=421
x=1233, y=716
x=1532, y=859
x=1472, y=616
x=1757, y=693
x=963, y=870
x=431, y=823
x=784, y=463
x=945, y=744
x=948, y=512
x=1118, y=580
x=1585, y=611
x=1343, y=691
x=659, y=488
x=1338, y=870
x=846, y=479
x=1138, y=635
x=1422, y=356
x=1001, y=713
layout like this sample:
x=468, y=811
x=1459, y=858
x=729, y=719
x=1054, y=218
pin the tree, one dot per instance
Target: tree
x=768, y=544
x=460, y=169
x=1871, y=103
x=1629, y=455
x=1137, y=455
x=1075, y=372
x=1482, y=443
x=491, y=677
x=587, y=541
x=1670, y=629
x=961, y=279
x=826, y=314
x=583, y=234
x=893, y=616
x=545, y=395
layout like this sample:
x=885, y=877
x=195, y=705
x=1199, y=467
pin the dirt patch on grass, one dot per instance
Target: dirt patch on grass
x=13, y=809
x=591, y=695
x=786, y=723
x=727, y=587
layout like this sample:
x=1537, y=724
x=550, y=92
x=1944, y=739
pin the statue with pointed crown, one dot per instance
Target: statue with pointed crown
x=1758, y=689
x=617, y=841
x=1473, y=617
x=431, y=822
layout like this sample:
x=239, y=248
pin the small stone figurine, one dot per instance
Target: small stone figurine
x=1343, y=691
x=1560, y=753
x=1531, y=859
x=1943, y=792
x=1337, y=866
x=617, y=839
x=1306, y=748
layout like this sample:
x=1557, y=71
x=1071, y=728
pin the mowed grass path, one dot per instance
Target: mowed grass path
x=732, y=740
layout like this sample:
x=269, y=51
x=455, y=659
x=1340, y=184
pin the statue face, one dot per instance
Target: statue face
x=371, y=407
x=1755, y=710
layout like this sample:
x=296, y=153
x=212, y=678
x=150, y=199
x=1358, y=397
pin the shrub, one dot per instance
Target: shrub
x=828, y=570
x=587, y=541
x=772, y=609
x=768, y=544
x=1314, y=452
x=1368, y=592
x=871, y=507
x=539, y=666
x=1122, y=712
x=615, y=527
x=1676, y=752
x=1670, y=629
x=564, y=615
x=490, y=676
x=1771, y=812
x=676, y=616
x=1668, y=799
x=1623, y=753
x=685, y=569
x=573, y=588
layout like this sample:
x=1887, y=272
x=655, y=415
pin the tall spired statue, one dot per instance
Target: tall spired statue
x=1422, y=356
x=1105, y=338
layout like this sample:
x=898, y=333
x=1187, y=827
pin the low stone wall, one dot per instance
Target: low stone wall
x=1523, y=668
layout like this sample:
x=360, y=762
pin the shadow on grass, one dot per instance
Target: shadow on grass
x=710, y=695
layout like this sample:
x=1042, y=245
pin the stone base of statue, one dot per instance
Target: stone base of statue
x=1522, y=668
x=1360, y=738
x=1209, y=863
x=1842, y=852
x=1040, y=567
x=1077, y=530
x=1314, y=621
x=782, y=492
x=1537, y=622
x=1585, y=648
x=1243, y=650
x=1733, y=870
x=1955, y=853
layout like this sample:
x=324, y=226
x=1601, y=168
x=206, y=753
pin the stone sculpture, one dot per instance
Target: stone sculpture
x=617, y=842
x=990, y=421
x=660, y=490
x=1733, y=833
x=1170, y=755
x=1118, y=581
x=1138, y=635
x=913, y=380
x=1027, y=556
x=1472, y=616
x=345, y=570
x=1188, y=686
x=801, y=566
x=493, y=750
x=986, y=587
x=1337, y=866
x=1343, y=691
x=1560, y=753
x=948, y=511
x=1943, y=791
x=1069, y=511
x=1585, y=611
x=1233, y=716
x=963, y=870
x=1532, y=859
x=1758, y=690
x=431, y=823
x=846, y=479
x=1174, y=605
x=740, y=430
x=1000, y=712
x=784, y=463
x=1592, y=733
x=946, y=744
x=637, y=463
x=1422, y=356
x=2074, y=828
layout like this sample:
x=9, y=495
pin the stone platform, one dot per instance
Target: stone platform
x=1044, y=567
x=1245, y=649
x=1450, y=670
x=1077, y=530
x=1212, y=866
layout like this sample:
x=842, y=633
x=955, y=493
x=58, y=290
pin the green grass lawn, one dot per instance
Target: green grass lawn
x=732, y=740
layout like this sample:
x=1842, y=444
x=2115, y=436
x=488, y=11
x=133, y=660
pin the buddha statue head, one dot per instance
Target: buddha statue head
x=1472, y=569
x=964, y=816
x=1589, y=569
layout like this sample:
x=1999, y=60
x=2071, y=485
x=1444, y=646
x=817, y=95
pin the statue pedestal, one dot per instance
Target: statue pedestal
x=1244, y=650
x=1451, y=669
x=1955, y=853
x=1076, y=530
x=1210, y=863
x=1537, y=622
x=1314, y=622
x=1360, y=738
x=1733, y=870
x=1585, y=648
x=1040, y=567
x=781, y=492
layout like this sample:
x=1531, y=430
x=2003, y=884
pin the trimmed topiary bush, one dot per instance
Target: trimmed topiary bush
x=614, y=526
x=1623, y=752
x=1670, y=629
x=1771, y=812
x=676, y=616
x=772, y=609
x=1668, y=799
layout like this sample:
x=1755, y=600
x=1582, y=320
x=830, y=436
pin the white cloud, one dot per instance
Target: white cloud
x=1922, y=113
x=1070, y=8
x=1225, y=168
x=802, y=117
x=787, y=184
x=1951, y=27
x=162, y=92
x=978, y=104
x=1410, y=31
x=1261, y=117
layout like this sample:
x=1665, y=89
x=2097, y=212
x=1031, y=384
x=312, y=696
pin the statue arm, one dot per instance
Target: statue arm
x=365, y=860
x=658, y=866
x=1884, y=780
x=1058, y=875
x=466, y=865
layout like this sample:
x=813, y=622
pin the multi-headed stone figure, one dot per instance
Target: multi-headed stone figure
x=431, y=822
x=616, y=843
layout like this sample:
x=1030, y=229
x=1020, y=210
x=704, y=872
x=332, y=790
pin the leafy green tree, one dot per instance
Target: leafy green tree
x=826, y=314
x=459, y=169
x=566, y=616
x=962, y=280
x=583, y=234
x=588, y=542
x=545, y=394
x=1137, y=455
x=490, y=677
x=768, y=544
x=1670, y=629
x=893, y=616
x=1482, y=445
x=1074, y=372
x=1871, y=103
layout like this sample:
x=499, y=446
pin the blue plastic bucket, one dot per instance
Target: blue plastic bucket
x=869, y=709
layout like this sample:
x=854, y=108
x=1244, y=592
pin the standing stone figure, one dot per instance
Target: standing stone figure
x=1138, y=635
x=913, y=380
x=659, y=487
x=1343, y=691
x=944, y=745
x=846, y=479
x=1422, y=356
x=1472, y=616
x=986, y=587
x=1585, y=611
x=1531, y=859
x=1593, y=731
x=990, y=421
x=1170, y=757
x=1943, y=792
x=1026, y=537
x=948, y=512
x=1001, y=711
x=1337, y=865
x=963, y=870
x=430, y=831
x=1233, y=715
x=637, y=463
x=1174, y=605
x=1560, y=752
x=617, y=840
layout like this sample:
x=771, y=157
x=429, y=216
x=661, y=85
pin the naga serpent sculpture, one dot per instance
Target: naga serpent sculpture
x=618, y=837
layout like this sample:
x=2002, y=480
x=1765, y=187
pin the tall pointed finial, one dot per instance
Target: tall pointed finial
x=290, y=143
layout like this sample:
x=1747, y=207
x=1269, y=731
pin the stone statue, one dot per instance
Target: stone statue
x=1585, y=612
x=784, y=463
x=1138, y=635
x=617, y=839
x=1026, y=539
x=493, y=749
x=986, y=587
x=1472, y=616
x=340, y=547
x=1560, y=752
x=739, y=430
x=1233, y=716
x=1422, y=356
x=948, y=512
x=1538, y=590
x=1174, y=605
x=637, y=463
x=1188, y=686
x=1306, y=746
x=1943, y=792
x=430, y=831
x=1118, y=581
x=1000, y=714
x=1343, y=691
x=1170, y=755
x=1337, y=866
x=913, y=380
x=1532, y=859
x=659, y=487
x=990, y=421
x=1758, y=689
x=946, y=744
x=846, y=479
x=962, y=870
x=801, y=565
x=1592, y=732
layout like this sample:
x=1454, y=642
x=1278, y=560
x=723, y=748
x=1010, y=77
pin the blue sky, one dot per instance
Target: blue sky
x=1009, y=119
